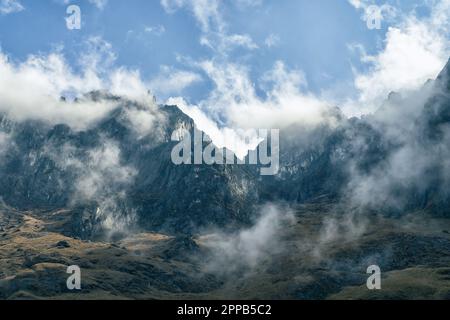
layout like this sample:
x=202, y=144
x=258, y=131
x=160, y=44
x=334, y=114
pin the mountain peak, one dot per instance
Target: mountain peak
x=445, y=75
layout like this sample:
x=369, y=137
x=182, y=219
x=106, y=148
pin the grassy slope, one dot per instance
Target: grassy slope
x=413, y=253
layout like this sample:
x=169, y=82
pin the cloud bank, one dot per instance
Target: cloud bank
x=414, y=51
x=33, y=89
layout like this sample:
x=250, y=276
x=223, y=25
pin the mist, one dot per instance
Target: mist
x=244, y=250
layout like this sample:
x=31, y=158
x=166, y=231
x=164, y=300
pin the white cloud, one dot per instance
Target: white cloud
x=4, y=142
x=155, y=30
x=142, y=122
x=272, y=40
x=101, y=4
x=205, y=11
x=234, y=102
x=32, y=89
x=214, y=29
x=232, y=41
x=248, y=3
x=104, y=169
x=171, y=81
x=410, y=167
x=10, y=6
x=98, y=55
x=440, y=15
x=246, y=249
x=415, y=50
x=236, y=139
x=129, y=84
x=356, y=3
x=384, y=12
x=286, y=102
x=100, y=177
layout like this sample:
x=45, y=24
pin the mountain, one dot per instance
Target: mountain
x=45, y=166
x=349, y=193
x=110, y=172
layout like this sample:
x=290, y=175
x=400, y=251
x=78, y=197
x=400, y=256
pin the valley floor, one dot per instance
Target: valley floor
x=320, y=255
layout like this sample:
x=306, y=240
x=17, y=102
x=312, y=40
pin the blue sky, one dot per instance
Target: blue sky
x=201, y=50
x=310, y=35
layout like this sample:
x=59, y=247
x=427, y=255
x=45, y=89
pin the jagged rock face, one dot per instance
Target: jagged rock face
x=111, y=172
x=316, y=164
x=444, y=77
x=408, y=167
x=434, y=129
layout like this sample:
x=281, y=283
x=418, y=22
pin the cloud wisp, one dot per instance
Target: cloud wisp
x=244, y=250
x=10, y=6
